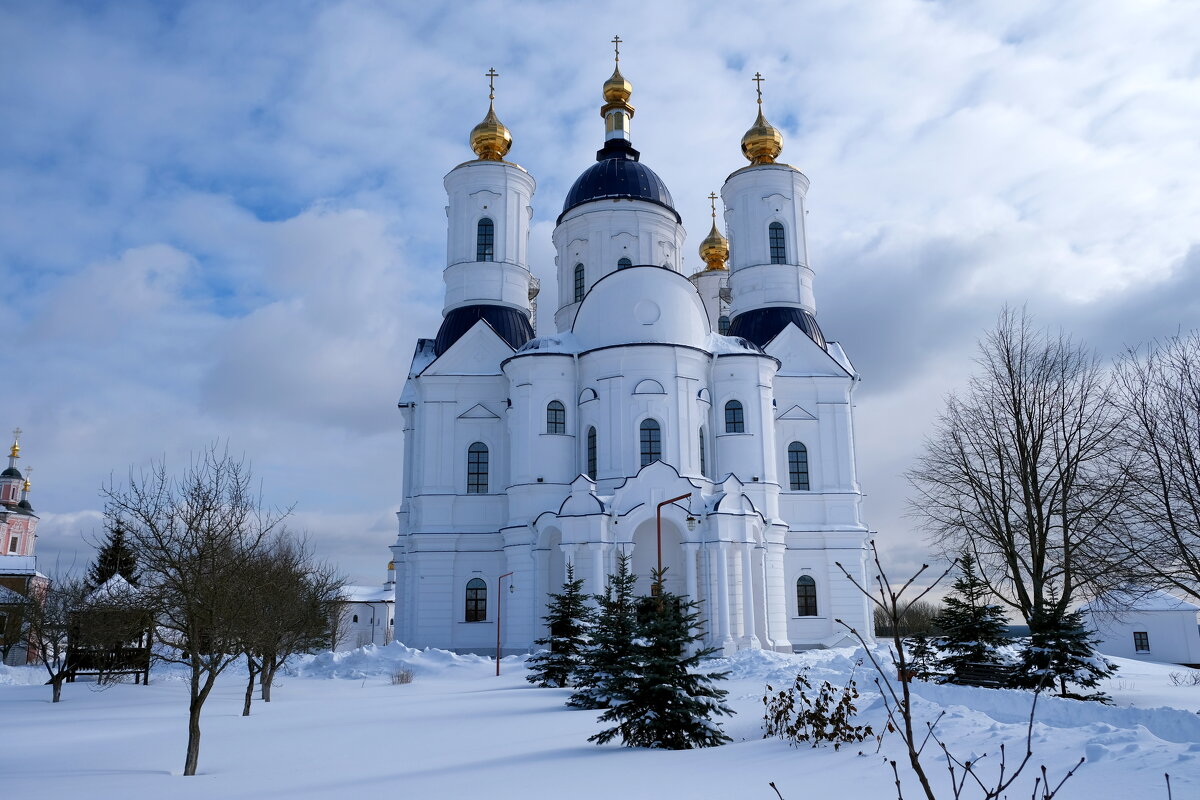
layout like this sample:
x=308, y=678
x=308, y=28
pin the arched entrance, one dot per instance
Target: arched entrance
x=645, y=556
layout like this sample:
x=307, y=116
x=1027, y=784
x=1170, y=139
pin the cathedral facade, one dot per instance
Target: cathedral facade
x=699, y=422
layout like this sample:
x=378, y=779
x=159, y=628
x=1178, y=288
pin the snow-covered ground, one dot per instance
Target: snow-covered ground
x=337, y=727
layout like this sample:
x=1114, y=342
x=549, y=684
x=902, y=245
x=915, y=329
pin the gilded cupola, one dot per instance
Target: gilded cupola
x=490, y=139
x=715, y=247
x=763, y=143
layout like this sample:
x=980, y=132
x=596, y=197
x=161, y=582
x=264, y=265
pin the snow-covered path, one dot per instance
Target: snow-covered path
x=457, y=729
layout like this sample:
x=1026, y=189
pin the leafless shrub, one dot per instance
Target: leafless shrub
x=1189, y=678
x=402, y=676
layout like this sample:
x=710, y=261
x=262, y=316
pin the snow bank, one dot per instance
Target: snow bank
x=372, y=660
x=22, y=676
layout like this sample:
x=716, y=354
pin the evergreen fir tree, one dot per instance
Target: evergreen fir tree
x=115, y=557
x=922, y=656
x=567, y=616
x=667, y=704
x=607, y=664
x=1062, y=650
x=972, y=629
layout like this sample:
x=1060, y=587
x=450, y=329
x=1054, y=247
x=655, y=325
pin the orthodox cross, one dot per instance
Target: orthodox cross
x=758, y=79
x=712, y=198
x=616, y=40
x=491, y=75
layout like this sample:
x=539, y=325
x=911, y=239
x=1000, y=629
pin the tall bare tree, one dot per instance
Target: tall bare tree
x=1158, y=399
x=195, y=536
x=52, y=611
x=1015, y=471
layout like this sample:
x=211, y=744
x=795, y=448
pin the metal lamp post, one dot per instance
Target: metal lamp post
x=499, y=613
x=656, y=587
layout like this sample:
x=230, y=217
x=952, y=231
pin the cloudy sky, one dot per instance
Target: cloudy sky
x=224, y=221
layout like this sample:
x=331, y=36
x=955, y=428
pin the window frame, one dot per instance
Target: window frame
x=475, y=598
x=806, y=597
x=580, y=283
x=485, y=240
x=649, y=441
x=799, y=467
x=777, y=242
x=735, y=417
x=1141, y=641
x=703, y=460
x=477, y=467
x=624, y=263
x=556, y=417
x=723, y=325
x=591, y=450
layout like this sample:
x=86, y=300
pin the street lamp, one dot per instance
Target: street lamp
x=499, y=613
x=656, y=587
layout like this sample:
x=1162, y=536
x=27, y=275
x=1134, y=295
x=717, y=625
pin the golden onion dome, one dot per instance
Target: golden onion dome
x=490, y=139
x=715, y=247
x=617, y=89
x=763, y=143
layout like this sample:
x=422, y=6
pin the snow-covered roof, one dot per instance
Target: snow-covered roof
x=1152, y=600
x=115, y=588
x=368, y=594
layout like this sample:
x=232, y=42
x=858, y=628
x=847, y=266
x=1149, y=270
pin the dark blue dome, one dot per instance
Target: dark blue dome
x=511, y=325
x=617, y=174
x=761, y=325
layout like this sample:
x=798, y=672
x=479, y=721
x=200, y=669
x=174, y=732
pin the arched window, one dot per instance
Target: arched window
x=651, y=441
x=778, y=247
x=703, y=465
x=477, y=468
x=476, y=600
x=578, y=282
x=591, y=453
x=556, y=417
x=798, y=467
x=623, y=263
x=806, y=596
x=485, y=241
x=735, y=419
x=356, y=617
x=723, y=325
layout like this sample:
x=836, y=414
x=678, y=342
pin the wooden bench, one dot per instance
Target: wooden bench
x=992, y=676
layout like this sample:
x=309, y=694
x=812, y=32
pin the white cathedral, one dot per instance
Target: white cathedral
x=698, y=421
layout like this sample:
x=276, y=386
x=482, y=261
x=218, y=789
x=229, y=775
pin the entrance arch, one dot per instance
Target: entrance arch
x=645, y=556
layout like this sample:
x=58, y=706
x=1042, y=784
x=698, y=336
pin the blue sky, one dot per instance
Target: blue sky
x=225, y=220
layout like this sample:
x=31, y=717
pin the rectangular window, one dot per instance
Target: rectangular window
x=1141, y=641
x=12, y=546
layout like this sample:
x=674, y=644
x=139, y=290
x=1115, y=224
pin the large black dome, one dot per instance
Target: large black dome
x=761, y=325
x=617, y=174
x=512, y=325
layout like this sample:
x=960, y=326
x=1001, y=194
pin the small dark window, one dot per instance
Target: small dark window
x=651, y=441
x=485, y=241
x=703, y=466
x=578, y=282
x=778, y=248
x=723, y=325
x=735, y=419
x=476, y=600
x=623, y=263
x=356, y=617
x=798, y=467
x=591, y=453
x=1141, y=642
x=806, y=596
x=477, y=468
x=556, y=417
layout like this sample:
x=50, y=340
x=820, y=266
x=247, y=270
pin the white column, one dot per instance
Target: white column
x=760, y=563
x=598, y=575
x=723, y=595
x=689, y=554
x=749, y=640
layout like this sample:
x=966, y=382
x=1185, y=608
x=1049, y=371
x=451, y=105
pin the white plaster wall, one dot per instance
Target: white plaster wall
x=1174, y=636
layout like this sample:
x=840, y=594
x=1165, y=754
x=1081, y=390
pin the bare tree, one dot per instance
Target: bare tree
x=1016, y=473
x=52, y=611
x=195, y=534
x=918, y=620
x=1158, y=399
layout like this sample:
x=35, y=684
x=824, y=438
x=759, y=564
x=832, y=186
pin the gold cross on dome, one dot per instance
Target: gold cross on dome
x=491, y=75
x=758, y=80
x=616, y=40
x=712, y=197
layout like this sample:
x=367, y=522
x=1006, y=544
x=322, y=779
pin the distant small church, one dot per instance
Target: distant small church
x=18, y=564
x=710, y=399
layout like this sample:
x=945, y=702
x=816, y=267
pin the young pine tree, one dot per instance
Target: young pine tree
x=115, y=557
x=667, y=704
x=972, y=629
x=607, y=664
x=568, y=617
x=1062, y=651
